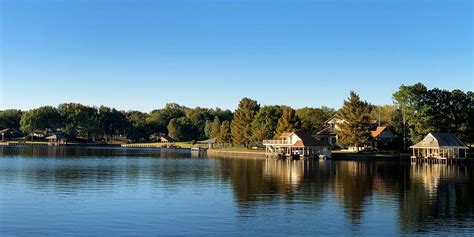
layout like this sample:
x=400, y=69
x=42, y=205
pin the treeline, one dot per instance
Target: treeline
x=434, y=110
x=250, y=126
x=416, y=112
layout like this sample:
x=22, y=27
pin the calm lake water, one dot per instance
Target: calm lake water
x=107, y=191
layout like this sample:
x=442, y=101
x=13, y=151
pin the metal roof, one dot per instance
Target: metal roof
x=440, y=140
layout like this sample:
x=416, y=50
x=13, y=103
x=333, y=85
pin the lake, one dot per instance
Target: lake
x=115, y=191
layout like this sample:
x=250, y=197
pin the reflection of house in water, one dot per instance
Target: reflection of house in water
x=437, y=195
x=286, y=173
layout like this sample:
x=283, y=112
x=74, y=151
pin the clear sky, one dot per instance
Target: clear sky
x=140, y=54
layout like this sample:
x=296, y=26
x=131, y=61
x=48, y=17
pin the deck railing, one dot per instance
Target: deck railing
x=276, y=142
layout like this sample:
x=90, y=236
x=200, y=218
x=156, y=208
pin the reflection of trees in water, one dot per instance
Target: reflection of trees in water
x=437, y=195
x=429, y=196
x=352, y=185
x=271, y=180
x=71, y=151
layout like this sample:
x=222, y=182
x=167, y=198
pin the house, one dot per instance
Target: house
x=383, y=137
x=39, y=133
x=297, y=144
x=439, y=146
x=328, y=134
x=9, y=132
x=56, y=139
x=167, y=139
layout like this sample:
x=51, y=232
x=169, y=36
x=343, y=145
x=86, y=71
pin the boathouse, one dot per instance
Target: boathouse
x=296, y=145
x=439, y=147
x=210, y=142
x=56, y=139
x=383, y=137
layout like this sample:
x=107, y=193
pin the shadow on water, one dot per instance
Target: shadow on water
x=425, y=198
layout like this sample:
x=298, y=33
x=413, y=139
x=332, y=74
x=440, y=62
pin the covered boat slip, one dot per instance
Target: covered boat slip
x=439, y=148
x=297, y=145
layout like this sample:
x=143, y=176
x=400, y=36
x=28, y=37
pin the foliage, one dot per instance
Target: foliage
x=215, y=127
x=158, y=120
x=384, y=113
x=137, y=128
x=198, y=117
x=241, y=126
x=42, y=118
x=224, y=135
x=182, y=129
x=80, y=120
x=289, y=122
x=265, y=123
x=10, y=118
x=435, y=110
x=112, y=122
x=313, y=119
x=355, y=127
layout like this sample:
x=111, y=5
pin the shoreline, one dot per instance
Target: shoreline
x=230, y=154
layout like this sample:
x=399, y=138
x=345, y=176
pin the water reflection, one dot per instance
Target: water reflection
x=423, y=198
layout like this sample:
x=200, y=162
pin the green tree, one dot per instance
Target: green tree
x=42, y=118
x=137, y=128
x=80, y=120
x=241, y=125
x=207, y=128
x=265, y=123
x=182, y=129
x=223, y=115
x=10, y=118
x=313, y=119
x=410, y=101
x=198, y=116
x=289, y=122
x=112, y=122
x=158, y=120
x=224, y=135
x=215, y=127
x=384, y=113
x=355, y=128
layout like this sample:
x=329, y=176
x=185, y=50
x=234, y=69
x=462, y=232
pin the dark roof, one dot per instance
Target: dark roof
x=210, y=140
x=380, y=130
x=6, y=130
x=167, y=138
x=326, y=131
x=441, y=140
x=308, y=140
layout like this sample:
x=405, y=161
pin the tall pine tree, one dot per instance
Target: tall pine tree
x=289, y=122
x=241, y=126
x=224, y=135
x=215, y=127
x=355, y=128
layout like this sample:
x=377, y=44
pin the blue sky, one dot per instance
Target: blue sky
x=142, y=54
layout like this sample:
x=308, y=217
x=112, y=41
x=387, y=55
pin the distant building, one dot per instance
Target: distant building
x=56, y=139
x=210, y=142
x=439, y=146
x=167, y=139
x=297, y=144
x=383, y=137
x=328, y=134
